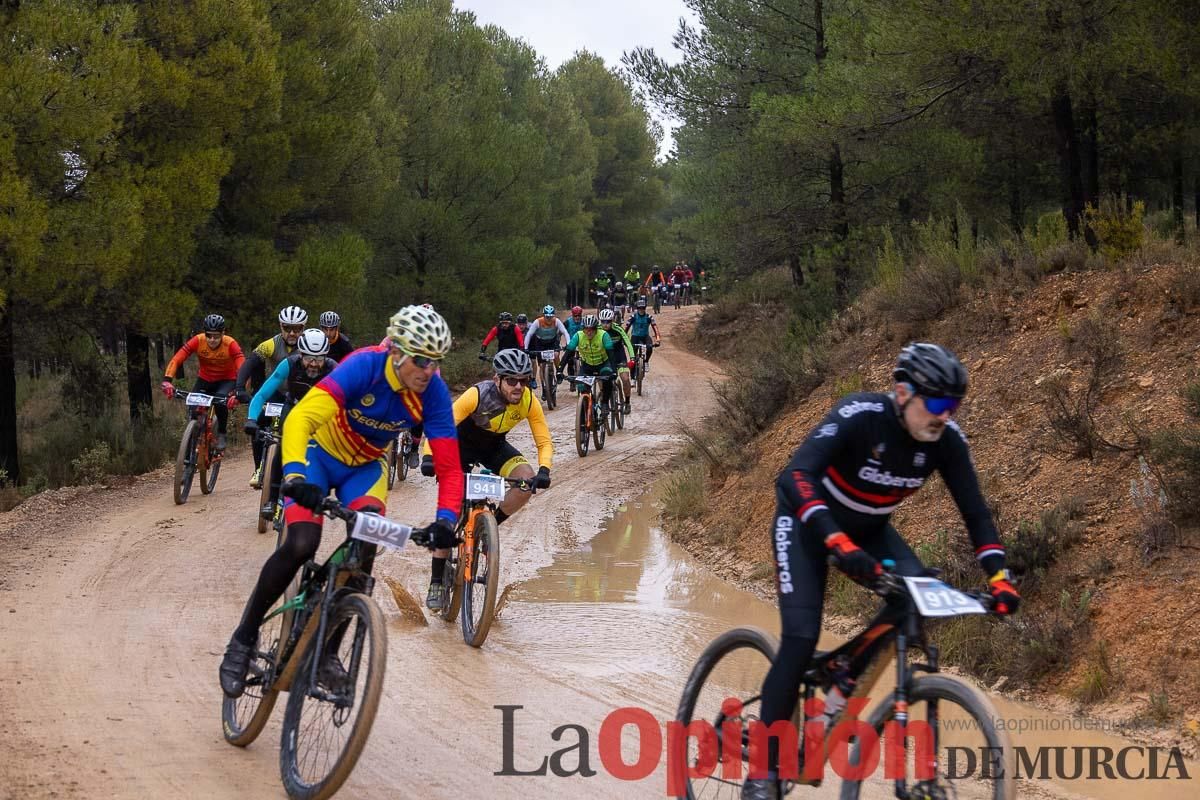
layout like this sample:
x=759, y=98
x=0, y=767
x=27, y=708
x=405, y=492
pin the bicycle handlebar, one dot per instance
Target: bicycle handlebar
x=891, y=583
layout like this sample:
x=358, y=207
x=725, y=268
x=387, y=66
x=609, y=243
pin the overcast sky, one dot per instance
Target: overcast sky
x=556, y=29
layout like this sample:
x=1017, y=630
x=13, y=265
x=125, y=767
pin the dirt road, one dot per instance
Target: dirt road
x=116, y=605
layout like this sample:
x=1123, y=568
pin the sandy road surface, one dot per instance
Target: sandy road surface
x=114, y=622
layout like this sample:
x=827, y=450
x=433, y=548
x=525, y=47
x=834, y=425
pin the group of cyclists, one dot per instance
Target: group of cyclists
x=658, y=288
x=344, y=408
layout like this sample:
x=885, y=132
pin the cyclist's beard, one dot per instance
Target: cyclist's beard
x=312, y=372
x=929, y=433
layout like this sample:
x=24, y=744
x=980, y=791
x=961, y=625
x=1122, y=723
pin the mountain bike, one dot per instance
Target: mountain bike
x=677, y=294
x=547, y=377
x=326, y=614
x=473, y=569
x=397, y=457
x=639, y=373
x=657, y=291
x=591, y=412
x=941, y=713
x=270, y=439
x=197, y=446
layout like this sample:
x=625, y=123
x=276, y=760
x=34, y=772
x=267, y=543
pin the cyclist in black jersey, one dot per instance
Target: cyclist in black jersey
x=837, y=495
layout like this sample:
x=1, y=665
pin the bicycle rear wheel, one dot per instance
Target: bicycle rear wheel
x=326, y=727
x=243, y=718
x=641, y=373
x=210, y=466
x=479, y=593
x=732, y=666
x=185, y=463
x=970, y=727
x=264, y=497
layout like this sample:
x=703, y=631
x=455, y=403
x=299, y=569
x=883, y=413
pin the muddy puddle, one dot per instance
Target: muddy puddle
x=645, y=608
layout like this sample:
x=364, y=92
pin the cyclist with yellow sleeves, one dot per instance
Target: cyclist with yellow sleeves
x=483, y=416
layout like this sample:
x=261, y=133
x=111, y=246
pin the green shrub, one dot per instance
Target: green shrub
x=1120, y=231
x=1049, y=231
x=1098, y=678
x=685, y=492
x=1037, y=545
x=92, y=464
x=1064, y=257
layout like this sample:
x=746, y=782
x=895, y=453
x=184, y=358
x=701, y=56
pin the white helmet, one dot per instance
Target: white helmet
x=293, y=315
x=606, y=315
x=513, y=362
x=313, y=342
x=420, y=331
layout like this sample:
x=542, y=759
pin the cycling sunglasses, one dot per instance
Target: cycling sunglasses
x=940, y=405
x=512, y=382
x=292, y=328
x=423, y=362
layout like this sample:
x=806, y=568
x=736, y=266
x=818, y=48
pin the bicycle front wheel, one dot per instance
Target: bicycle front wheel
x=732, y=666
x=479, y=593
x=582, y=415
x=957, y=719
x=452, y=585
x=268, y=462
x=185, y=463
x=325, y=727
x=393, y=458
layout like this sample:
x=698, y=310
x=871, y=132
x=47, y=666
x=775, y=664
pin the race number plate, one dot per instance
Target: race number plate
x=370, y=527
x=273, y=409
x=198, y=399
x=586, y=380
x=484, y=487
x=937, y=599
x=546, y=355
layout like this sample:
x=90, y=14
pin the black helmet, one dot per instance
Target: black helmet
x=331, y=319
x=505, y=316
x=932, y=370
x=522, y=319
x=214, y=322
x=513, y=362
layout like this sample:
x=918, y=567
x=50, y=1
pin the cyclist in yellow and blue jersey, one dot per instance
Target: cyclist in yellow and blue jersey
x=484, y=414
x=334, y=439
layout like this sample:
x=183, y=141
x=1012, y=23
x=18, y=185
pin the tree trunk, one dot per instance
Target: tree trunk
x=1092, y=144
x=797, y=267
x=841, y=228
x=137, y=356
x=10, y=460
x=1069, y=160
x=159, y=355
x=1196, y=200
x=1177, y=195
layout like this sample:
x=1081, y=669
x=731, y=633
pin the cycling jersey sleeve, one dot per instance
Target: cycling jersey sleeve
x=443, y=440
x=266, y=349
x=573, y=344
x=270, y=386
x=464, y=406
x=251, y=366
x=958, y=472
x=491, y=335
x=798, y=481
x=316, y=408
x=520, y=336
x=541, y=433
x=183, y=354
x=235, y=352
x=562, y=331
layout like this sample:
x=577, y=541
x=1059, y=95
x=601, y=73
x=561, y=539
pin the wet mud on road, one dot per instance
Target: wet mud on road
x=116, y=609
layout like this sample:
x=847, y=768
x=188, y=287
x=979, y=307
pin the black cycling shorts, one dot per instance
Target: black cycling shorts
x=499, y=457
